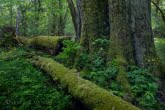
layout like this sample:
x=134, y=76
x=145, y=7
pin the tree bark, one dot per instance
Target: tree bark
x=120, y=38
x=120, y=47
x=79, y=19
x=142, y=37
x=95, y=22
x=131, y=39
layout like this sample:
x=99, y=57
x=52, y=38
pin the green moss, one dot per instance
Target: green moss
x=122, y=79
x=90, y=94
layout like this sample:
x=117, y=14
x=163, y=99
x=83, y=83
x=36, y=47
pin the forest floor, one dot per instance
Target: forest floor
x=22, y=86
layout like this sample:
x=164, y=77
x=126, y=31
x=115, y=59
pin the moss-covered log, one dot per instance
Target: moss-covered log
x=88, y=93
x=23, y=40
x=51, y=44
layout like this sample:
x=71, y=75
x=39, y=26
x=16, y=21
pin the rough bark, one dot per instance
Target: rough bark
x=131, y=39
x=95, y=23
x=120, y=41
x=142, y=37
x=120, y=38
x=91, y=95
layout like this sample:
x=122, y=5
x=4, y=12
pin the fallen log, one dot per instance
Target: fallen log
x=23, y=40
x=91, y=95
x=50, y=44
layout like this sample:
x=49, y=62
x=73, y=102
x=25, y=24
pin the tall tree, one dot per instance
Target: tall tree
x=131, y=34
x=120, y=42
x=18, y=20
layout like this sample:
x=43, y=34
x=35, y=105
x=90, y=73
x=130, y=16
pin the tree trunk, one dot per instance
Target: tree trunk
x=142, y=37
x=91, y=95
x=79, y=19
x=61, y=20
x=73, y=13
x=131, y=39
x=120, y=42
x=95, y=23
x=24, y=21
x=120, y=38
x=18, y=20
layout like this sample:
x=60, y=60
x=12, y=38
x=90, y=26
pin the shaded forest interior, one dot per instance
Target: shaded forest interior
x=82, y=54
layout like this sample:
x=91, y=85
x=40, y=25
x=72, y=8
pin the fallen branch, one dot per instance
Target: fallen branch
x=88, y=93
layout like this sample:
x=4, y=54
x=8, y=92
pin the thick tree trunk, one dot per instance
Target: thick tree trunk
x=131, y=39
x=120, y=38
x=95, y=23
x=91, y=95
x=120, y=41
x=142, y=37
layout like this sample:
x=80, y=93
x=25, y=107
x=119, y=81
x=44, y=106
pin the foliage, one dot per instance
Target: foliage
x=23, y=87
x=159, y=31
x=160, y=47
x=95, y=61
x=143, y=87
x=7, y=35
x=91, y=95
x=37, y=17
x=67, y=57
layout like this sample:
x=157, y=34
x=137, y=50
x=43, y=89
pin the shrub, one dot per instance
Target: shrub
x=67, y=57
x=143, y=87
x=7, y=35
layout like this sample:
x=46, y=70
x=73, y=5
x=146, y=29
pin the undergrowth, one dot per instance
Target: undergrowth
x=144, y=86
x=22, y=87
